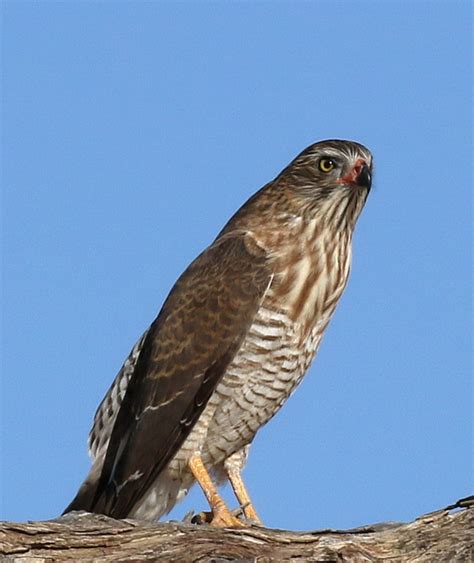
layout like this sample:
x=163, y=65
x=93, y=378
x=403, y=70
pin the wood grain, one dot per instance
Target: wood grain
x=446, y=535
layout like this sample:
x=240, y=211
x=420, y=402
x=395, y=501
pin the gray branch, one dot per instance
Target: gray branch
x=446, y=535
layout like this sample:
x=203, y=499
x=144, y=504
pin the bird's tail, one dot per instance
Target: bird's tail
x=86, y=494
x=161, y=497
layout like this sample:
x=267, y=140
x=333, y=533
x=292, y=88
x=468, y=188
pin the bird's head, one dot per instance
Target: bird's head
x=329, y=174
x=332, y=164
x=328, y=181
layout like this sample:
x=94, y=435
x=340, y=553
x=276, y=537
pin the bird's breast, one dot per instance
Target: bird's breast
x=309, y=278
x=262, y=375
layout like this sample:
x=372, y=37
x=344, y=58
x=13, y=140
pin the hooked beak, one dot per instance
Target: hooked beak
x=360, y=175
x=364, y=179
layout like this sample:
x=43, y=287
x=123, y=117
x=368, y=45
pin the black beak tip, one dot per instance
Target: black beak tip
x=365, y=177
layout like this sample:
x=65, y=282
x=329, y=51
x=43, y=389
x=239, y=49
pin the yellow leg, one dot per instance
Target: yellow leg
x=242, y=495
x=221, y=515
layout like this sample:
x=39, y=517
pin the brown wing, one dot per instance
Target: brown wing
x=106, y=413
x=184, y=355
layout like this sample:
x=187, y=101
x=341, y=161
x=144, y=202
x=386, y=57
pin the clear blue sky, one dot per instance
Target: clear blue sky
x=132, y=131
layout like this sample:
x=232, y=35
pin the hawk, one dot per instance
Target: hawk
x=232, y=341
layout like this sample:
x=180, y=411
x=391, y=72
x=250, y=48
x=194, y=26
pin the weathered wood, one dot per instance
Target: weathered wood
x=446, y=535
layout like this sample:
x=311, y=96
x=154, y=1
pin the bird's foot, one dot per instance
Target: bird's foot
x=224, y=518
x=221, y=518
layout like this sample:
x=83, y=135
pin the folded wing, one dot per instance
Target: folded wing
x=182, y=359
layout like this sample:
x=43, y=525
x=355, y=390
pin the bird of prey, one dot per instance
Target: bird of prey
x=232, y=341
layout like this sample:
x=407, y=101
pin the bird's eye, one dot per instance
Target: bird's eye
x=326, y=165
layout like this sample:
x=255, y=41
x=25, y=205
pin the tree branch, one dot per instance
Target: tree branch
x=446, y=535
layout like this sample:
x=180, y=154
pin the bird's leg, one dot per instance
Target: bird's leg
x=221, y=515
x=233, y=466
x=242, y=495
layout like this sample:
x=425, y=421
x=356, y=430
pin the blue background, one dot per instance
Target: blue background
x=132, y=131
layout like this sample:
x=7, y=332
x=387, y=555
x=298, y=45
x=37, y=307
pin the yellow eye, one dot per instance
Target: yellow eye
x=326, y=165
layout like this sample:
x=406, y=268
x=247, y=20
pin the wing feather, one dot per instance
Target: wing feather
x=183, y=357
x=106, y=413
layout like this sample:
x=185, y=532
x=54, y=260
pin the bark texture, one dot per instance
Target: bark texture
x=446, y=535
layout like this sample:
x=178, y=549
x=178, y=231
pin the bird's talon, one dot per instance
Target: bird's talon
x=225, y=519
x=219, y=519
x=202, y=518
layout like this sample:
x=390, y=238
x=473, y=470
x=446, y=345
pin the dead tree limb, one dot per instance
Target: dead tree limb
x=446, y=535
